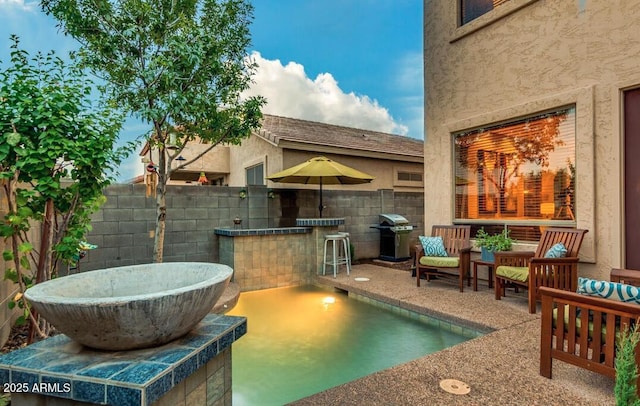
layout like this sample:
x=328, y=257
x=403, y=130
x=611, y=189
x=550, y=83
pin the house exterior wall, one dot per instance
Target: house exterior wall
x=215, y=161
x=230, y=162
x=384, y=171
x=252, y=151
x=255, y=150
x=524, y=57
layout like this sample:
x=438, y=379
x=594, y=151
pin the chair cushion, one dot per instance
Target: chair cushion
x=557, y=251
x=433, y=246
x=517, y=273
x=579, y=323
x=603, y=329
x=440, y=262
x=609, y=290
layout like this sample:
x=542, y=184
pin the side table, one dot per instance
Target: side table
x=490, y=265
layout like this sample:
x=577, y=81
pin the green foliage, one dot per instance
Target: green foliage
x=625, y=389
x=179, y=65
x=497, y=242
x=56, y=151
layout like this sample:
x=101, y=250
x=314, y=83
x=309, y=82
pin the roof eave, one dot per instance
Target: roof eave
x=329, y=149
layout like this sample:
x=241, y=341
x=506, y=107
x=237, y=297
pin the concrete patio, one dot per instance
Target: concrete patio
x=501, y=367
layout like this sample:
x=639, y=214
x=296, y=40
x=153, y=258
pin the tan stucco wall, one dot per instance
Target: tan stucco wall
x=252, y=152
x=255, y=150
x=215, y=161
x=384, y=171
x=528, y=56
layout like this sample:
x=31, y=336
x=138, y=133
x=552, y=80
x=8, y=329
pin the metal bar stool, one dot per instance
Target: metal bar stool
x=336, y=258
x=348, y=251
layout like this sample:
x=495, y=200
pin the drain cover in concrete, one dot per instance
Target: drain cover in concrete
x=361, y=279
x=455, y=386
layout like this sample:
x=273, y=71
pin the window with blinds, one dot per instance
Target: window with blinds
x=522, y=171
x=255, y=174
x=472, y=9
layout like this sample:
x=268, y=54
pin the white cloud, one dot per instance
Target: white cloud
x=18, y=5
x=290, y=93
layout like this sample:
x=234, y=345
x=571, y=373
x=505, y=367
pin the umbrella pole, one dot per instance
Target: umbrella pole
x=320, y=207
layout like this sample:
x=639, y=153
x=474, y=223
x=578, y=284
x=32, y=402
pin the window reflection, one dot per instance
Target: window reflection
x=520, y=170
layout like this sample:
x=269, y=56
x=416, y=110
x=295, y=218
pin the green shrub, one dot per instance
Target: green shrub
x=625, y=390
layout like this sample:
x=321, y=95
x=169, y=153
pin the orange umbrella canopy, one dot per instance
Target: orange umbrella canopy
x=321, y=171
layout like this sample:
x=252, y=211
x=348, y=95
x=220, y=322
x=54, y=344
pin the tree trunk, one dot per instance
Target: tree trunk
x=45, y=260
x=161, y=207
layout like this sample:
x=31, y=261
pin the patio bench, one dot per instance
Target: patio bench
x=574, y=340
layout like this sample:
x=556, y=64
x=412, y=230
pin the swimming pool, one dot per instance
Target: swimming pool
x=303, y=340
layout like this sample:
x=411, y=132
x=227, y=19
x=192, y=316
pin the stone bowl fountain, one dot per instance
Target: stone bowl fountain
x=131, y=307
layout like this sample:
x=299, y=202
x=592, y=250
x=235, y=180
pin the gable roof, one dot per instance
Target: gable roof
x=292, y=133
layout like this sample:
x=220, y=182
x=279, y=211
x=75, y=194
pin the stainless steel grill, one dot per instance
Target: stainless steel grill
x=394, y=237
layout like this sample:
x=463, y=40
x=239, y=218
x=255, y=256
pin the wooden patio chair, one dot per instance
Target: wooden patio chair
x=457, y=244
x=532, y=270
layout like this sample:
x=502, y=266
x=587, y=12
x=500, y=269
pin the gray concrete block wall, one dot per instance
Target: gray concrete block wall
x=123, y=229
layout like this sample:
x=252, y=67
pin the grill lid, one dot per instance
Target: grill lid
x=392, y=220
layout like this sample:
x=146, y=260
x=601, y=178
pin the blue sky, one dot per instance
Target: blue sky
x=349, y=62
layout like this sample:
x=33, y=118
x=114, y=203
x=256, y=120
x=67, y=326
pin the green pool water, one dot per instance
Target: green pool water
x=303, y=340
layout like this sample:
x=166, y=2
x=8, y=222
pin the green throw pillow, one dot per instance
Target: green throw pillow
x=433, y=246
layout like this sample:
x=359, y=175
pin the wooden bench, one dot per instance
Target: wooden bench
x=574, y=343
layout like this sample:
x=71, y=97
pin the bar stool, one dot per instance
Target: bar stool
x=348, y=252
x=336, y=258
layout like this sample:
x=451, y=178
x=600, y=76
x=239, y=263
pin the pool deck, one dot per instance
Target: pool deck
x=501, y=367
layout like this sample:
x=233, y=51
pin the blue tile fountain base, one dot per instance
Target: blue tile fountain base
x=194, y=369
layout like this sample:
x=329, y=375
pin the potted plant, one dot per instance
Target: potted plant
x=489, y=244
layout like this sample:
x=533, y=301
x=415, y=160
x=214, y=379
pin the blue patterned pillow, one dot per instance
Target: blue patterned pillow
x=609, y=290
x=557, y=251
x=433, y=246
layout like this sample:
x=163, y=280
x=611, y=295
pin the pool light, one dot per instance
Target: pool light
x=328, y=300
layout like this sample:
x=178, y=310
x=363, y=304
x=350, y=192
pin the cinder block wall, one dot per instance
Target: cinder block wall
x=123, y=228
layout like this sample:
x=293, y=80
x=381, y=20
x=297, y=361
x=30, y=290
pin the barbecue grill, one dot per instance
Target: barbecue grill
x=394, y=237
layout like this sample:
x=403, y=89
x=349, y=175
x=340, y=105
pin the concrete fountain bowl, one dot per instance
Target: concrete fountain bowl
x=131, y=307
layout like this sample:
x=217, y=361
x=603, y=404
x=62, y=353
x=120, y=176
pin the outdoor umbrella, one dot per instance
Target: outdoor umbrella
x=321, y=171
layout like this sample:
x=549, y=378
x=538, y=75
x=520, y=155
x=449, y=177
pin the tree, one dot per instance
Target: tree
x=179, y=65
x=56, y=150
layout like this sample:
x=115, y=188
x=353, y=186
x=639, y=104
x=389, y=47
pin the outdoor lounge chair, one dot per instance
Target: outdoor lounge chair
x=455, y=259
x=545, y=267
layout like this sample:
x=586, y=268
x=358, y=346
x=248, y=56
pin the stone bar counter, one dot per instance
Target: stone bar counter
x=192, y=370
x=265, y=258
